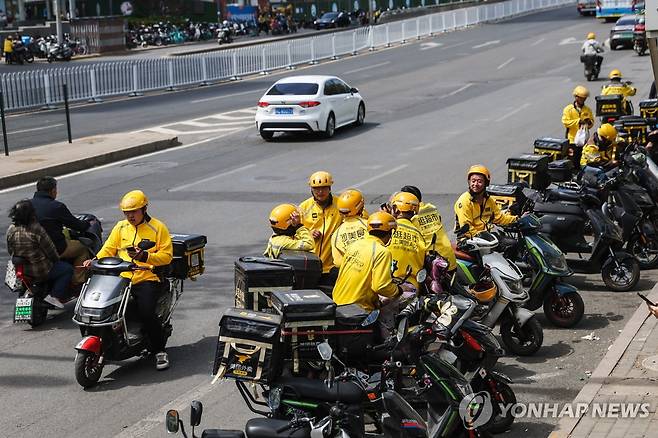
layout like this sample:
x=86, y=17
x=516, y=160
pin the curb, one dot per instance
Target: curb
x=566, y=426
x=30, y=176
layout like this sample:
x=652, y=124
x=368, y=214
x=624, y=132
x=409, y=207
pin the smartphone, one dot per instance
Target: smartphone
x=645, y=299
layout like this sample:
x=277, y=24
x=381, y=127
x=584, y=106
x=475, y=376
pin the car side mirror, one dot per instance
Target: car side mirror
x=196, y=411
x=146, y=244
x=353, y=90
x=172, y=421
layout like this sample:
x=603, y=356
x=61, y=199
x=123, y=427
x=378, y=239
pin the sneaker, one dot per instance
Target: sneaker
x=53, y=301
x=161, y=361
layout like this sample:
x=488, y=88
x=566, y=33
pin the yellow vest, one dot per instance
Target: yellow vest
x=478, y=218
x=571, y=118
x=326, y=221
x=408, y=249
x=351, y=230
x=428, y=222
x=301, y=241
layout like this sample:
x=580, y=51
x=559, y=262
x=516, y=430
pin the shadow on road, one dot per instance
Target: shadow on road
x=32, y=380
x=341, y=134
x=547, y=353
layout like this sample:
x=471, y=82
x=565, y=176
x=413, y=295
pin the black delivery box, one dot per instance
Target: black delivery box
x=304, y=305
x=532, y=169
x=556, y=148
x=610, y=106
x=307, y=267
x=188, y=261
x=256, y=278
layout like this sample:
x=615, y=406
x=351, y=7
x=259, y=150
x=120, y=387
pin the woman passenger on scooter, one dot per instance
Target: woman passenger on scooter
x=27, y=239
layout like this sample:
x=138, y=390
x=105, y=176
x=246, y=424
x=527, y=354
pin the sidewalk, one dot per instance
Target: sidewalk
x=27, y=165
x=628, y=374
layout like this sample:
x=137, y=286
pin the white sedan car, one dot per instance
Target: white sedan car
x=309, y=104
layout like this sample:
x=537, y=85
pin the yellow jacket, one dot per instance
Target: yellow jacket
x=428, y=222
x=408, y=249
x=351, y=230
x=8, y=46
x=571, y=118
x=365, y=274
x=124, y=236
x=618, y=88
x=594, y=157
x=326, y=221
x=467, y=211
x=301, y=241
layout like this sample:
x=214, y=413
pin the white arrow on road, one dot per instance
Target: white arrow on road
x=570, y=40
x=429, y=45
x=488, y=43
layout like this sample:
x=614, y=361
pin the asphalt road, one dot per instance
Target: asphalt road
x=433, y=108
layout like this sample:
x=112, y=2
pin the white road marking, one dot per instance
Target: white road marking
x=195, y=132
x=570, y=40
x=429, y=45
x=243, y=93
x=539, y=41
x=35, y=129
x=128, y=160
x=514, y=111
x=505, y=63
x=375, y=178
x=210, y=178
x=458, y=90
x=226, y=116
x=454, y=45
x=367, y=67
x=488, y=43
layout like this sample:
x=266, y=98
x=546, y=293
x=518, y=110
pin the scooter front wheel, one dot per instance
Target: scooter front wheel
x=621, y=274
x=88, y=368
x=645, y=250
x=523, y=341
x=564, y=310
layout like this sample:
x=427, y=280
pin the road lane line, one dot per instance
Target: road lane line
x=539, y=41
x=458, y=90
x=244, y=93
x=210, y=178
x=366, y=68
x=224, y=116
x=35, y=129
x=375, y=178
x=505, y=63
x=454, y=45
x=488, y=43
x=514, y=111
x=128, y=160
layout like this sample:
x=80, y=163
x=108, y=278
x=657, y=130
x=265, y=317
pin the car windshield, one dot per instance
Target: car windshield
x=293, y=88
x=329, y=15
x=626, y=21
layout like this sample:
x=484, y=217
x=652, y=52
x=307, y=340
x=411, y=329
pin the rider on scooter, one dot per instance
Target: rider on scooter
x=288, y=232
x=592, y=47
x=600, y=150
x=616, y=86
x=476, y=208
x=408, y=246
x=146, y=285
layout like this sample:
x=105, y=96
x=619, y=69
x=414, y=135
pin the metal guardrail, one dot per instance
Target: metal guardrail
x=34, y=89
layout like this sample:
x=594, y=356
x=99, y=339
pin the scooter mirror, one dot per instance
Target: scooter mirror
x=146, y=244
x=172, y=421
x=421, y=276
x=325, y=350
x=402, y=329
x=195, y=413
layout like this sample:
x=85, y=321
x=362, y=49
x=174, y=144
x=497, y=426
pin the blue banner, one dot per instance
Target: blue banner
x=241, y=13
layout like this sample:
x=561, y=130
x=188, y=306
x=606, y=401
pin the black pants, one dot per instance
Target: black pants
x=146, y=298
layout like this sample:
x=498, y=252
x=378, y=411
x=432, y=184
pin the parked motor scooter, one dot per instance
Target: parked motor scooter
x=59, y=52
x=224, y=35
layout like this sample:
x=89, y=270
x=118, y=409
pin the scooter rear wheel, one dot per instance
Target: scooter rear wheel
x=39, y=314
x=87, y=369
x=563, y=310
x=624, y=277
x=525, y=342
x=645, y=252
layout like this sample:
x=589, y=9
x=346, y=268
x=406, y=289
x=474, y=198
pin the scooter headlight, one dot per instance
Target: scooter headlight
x=515, y=286
x=92, y=314
x=557, y=262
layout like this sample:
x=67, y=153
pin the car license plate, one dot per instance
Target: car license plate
x=283, y=111
x=23, y=310
x=627, y=35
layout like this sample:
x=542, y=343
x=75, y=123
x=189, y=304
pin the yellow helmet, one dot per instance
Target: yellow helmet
x=133, y=200
x=614, y=74
x=405, y=201
x=381, y=221
x=607, y=132
x=591, y=36
x=479, y=168
x=321, y=179
x=581, y=91
x=350, y=202
x=483, y=291
x=280, y=216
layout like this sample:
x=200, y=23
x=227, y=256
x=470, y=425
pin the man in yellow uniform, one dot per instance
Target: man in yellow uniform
x=321, y=216
x=354, y=227
x=476, y=208
x=574, y=116
x=616, y=86
x=146, y=287
x=407, y=246
x=288, y=232
x=8, y=49
x=428, y=221
x=601, y=148
x=365, y=274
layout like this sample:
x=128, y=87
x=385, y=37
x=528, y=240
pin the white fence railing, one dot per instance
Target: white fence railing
x=43, y=88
